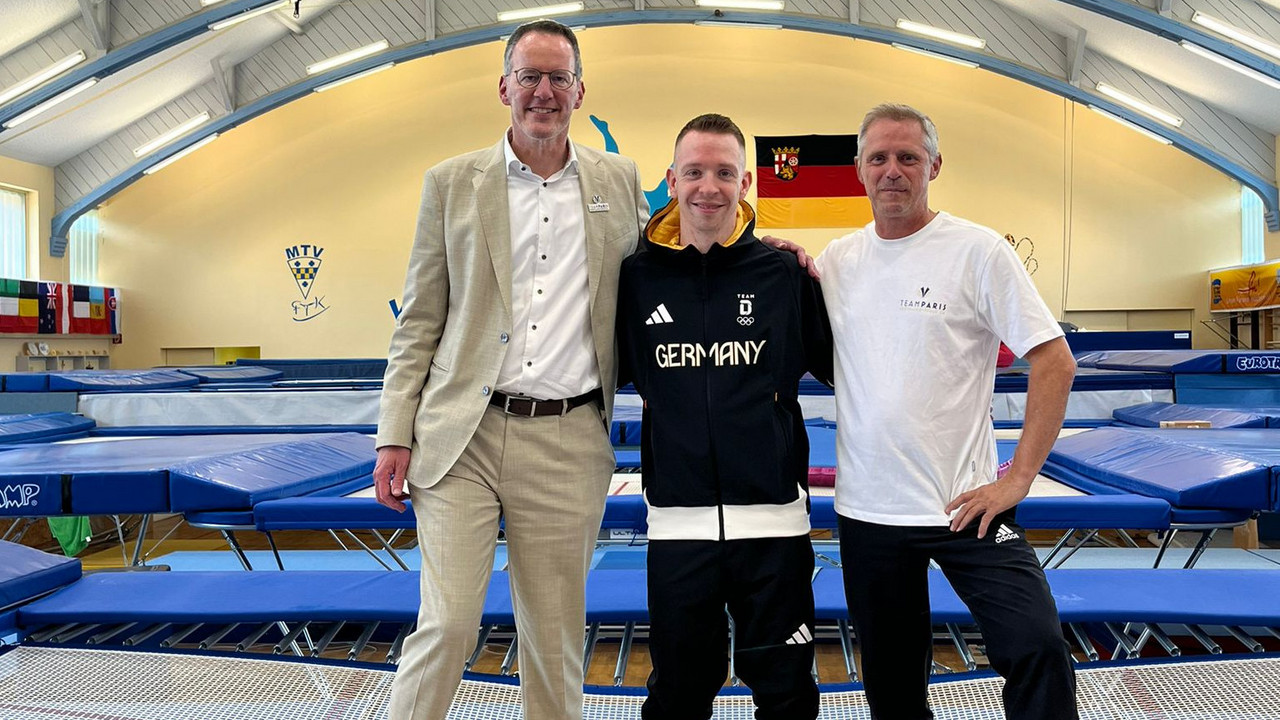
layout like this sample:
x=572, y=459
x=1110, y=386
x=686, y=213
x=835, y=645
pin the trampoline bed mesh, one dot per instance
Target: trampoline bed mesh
x=38, y=683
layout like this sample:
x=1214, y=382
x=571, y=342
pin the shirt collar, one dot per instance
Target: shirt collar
x=515, y=167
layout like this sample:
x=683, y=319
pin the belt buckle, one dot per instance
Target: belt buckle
x=506, y=406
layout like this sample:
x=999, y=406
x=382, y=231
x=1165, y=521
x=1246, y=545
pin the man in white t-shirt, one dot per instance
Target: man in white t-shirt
x=919, y=302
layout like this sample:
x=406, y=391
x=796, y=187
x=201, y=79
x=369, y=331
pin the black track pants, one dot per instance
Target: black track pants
x=997, y=577
x=766, y=583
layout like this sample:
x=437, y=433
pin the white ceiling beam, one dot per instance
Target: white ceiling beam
x=1075, y=56
x=855, y=12
x=1165, y=7
x=429, y=27
x=225, y=80
x=97, y=16
x=294, y=26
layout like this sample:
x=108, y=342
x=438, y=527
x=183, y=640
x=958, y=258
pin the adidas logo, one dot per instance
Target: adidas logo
x=1004, y=533
x=659, y=316
x=801, y=636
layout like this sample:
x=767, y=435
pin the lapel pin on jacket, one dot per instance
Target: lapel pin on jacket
x=597, y=204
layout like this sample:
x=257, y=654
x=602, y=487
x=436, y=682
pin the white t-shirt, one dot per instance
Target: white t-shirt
x=918, y=323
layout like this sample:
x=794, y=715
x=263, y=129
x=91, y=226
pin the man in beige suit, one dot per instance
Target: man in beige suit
x=500, y=382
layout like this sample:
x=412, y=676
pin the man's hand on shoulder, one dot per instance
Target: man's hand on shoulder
x=802, y=257
x=389, y=476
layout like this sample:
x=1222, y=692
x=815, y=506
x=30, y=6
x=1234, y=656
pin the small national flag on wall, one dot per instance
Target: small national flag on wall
x=809, y=181
x=51, y=308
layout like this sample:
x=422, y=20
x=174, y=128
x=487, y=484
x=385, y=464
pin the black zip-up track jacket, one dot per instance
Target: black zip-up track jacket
x=716, y=344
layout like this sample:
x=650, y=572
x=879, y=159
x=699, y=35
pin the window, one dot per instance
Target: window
x=84, y=238
x=1252, y=249
x=13, y=234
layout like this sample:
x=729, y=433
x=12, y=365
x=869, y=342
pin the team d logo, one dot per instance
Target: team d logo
x=786, y=162
x=304, y=263
x=745, y=301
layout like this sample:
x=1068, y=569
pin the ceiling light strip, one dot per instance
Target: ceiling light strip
x=1235, y=33
x=936, y=56
x=1132, y=126
x=171, y=135
x=1141, y=106
x=236, y=20
x=55, y=100
x=956, y=38
x=352, y=78
x=42, y=77
x=346, y=57
x=179, y=155
x=538, y=12
x=775, y=5
x=1231, y=64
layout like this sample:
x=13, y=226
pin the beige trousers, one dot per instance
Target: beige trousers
x=547, y=478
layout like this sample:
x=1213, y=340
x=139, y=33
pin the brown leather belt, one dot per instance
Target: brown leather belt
x=528, y=407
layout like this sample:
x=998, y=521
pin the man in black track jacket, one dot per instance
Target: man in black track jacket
x=715, y=330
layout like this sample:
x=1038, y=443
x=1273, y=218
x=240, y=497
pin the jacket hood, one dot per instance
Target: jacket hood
x=663, y=229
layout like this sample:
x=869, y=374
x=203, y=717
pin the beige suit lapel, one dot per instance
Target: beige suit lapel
x=490, y=184
x=594, y=222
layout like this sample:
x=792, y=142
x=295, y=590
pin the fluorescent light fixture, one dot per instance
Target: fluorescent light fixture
x=1235, y=33
x=55, y=100
x=976, y=43
x=538, y=12
x=1231, y=64
x=935, y=56
x=726, y=23
x=171, y=135
x=776, y=5
x=43, y=76
x=1145, y=108
x=235, y=20
x=347, y=57
x=357, y=76
x=1132, y=126
x=207, y=3
x=179, y=155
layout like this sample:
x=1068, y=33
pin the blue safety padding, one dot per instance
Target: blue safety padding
x=118, y=380
x=1177, y=515
x=822, y=447
x=270, y=471
x=1011, y=380
x=1260, y=446
x=626, y=425
x=1197, y=597
x=625, y=512
x=1254, y=361
x=26, y=382
x=1169, y=361
x=1232, y=390
x=627, y=459
x=321, y=367
x=231, y=373
x=153, y=430
x=330, y=384
x=325, y=513
x=1122, y=510
x=27, y=573
x=1088, y=359
x=42, y=426
x=809, y=385
x=1145, y=463
x=1151, y=414
x=1083, y=342
x=1269, y=413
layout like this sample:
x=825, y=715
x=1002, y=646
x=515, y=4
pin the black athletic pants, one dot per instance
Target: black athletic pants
x=997, y=577
x=767, y=585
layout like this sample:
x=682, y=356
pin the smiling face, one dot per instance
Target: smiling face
x=540, y=114
x=894, y=166
x=708, y=179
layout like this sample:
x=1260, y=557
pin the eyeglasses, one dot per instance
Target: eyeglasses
x=530, y=77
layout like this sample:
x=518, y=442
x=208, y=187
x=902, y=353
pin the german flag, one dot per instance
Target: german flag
x=809, y=181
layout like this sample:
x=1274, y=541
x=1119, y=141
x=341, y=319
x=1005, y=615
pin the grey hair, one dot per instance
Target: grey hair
x=545, y=27
x=900, y=113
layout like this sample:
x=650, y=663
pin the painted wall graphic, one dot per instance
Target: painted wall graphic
x=34, y=307
x=304, y=263
x=1026, y=252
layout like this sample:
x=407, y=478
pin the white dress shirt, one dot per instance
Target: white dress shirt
x=551, y=352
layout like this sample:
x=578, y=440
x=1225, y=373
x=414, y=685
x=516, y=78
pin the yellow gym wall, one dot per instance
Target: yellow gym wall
x=1117, y=221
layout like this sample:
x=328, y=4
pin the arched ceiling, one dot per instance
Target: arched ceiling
x=158, y=63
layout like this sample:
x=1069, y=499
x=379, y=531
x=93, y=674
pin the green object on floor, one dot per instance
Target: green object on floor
x=72, y=533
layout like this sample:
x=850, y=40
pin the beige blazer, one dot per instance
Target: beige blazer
x=447, y=348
